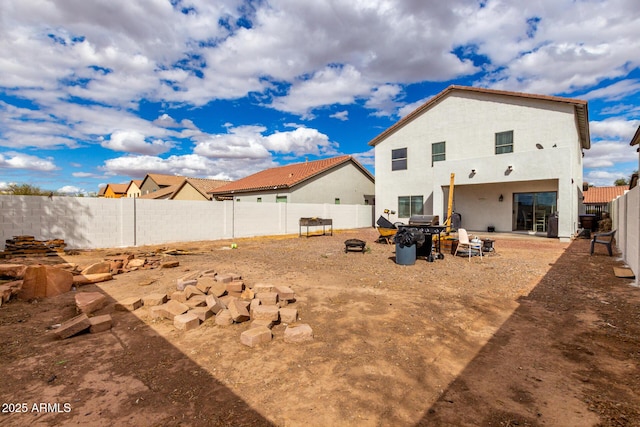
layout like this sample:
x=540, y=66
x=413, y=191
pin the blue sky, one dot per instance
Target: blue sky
x=101, y=91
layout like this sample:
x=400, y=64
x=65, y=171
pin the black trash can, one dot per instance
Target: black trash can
x=552, y=225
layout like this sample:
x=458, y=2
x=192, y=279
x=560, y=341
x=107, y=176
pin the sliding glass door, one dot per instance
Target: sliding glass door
x=531, y=211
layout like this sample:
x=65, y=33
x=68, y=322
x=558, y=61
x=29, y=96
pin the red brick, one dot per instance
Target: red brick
x=179, y=296
x=88, y=302
x=238, y=311
x=205, y=283
x=129, y=304
x=266, y=312
x=73, y=326
x=288, y=315
x=203, y=313
x=262, y=287
x=100, y=323
x=267, y=298
x=285, y=293
x=224, y=278
x=197, y=301
x=154, y=299
x=255, y=336
x=87, y=279
x=191, y=290
x=186, y=321
x=223, y=318
x=215, y=304
x=298, y=333
x=98, y=267
x=218, y=289
x=174, y=308
x=235, y=286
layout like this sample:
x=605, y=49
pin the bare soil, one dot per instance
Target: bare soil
x=537, y=333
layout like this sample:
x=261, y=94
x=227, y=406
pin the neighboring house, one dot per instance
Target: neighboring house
x=197, y=189
x=338, y=180
x=162, y=193
x=101, y=191
x=155, y=181
x=517, y=159
x=115, y=191
x=187, y=189
x=133, y=189
x=597, y=199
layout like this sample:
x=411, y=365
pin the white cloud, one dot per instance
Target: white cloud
x=615, y=91
x=301, y=141
x=341, y=115
x=608, y=153
x=383, y=100
x=71, y=190
x=331, y=85
x=249, y=142
x=14, y=160
x=192, y=165
x=604, y=178
x=135, y=142
x=619, y=129
x=409, y=108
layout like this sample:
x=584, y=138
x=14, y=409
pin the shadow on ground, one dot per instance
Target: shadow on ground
x=574, y=342
x=128, y=376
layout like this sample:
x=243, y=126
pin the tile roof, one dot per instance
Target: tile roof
x=285, y=176
x=163, y=193
x=165, y=180
x=137, y=182
x=599, y=195
x=202, y=185
x=101, y=190
x=118, y=188
x=580, y=107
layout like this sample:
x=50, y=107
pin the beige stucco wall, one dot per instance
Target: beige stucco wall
x=187, y=192
x=346, y=182
x=468, y=122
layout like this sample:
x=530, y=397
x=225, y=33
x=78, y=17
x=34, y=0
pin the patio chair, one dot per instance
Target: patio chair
x=463, y=240
x=603, y=239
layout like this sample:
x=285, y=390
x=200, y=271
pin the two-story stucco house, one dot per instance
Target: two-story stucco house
x=517, y=159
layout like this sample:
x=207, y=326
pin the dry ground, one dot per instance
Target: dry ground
x=538, y=333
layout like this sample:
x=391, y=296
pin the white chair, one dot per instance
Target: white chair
x=463, y=240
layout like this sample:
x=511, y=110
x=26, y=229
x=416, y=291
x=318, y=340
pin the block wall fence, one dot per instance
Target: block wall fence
x=91, y=223
x=625, y=216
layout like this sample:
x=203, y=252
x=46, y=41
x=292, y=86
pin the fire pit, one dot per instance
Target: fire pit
x=355, y=245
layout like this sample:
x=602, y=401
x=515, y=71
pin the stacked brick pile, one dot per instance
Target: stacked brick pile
x=89, y=305
x=28, y=245
x=226, y=300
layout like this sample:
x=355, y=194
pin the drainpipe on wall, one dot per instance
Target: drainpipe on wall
x=135, y=222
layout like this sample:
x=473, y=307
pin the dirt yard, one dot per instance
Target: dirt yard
x=538, y=333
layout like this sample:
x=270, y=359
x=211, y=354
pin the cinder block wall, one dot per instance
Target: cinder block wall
x=626, y=219
x=90, y=223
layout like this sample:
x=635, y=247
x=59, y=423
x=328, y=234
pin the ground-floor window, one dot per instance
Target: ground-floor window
x=531, y=211
x=410, y=205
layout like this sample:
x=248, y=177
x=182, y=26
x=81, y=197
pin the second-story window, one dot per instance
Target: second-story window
x=398, y=159
x=438, y=152
x=504, y=142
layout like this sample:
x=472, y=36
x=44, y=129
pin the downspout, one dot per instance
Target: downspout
x=135, y=222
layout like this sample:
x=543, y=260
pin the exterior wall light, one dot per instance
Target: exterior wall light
x=501, y=198
x=509, y=168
